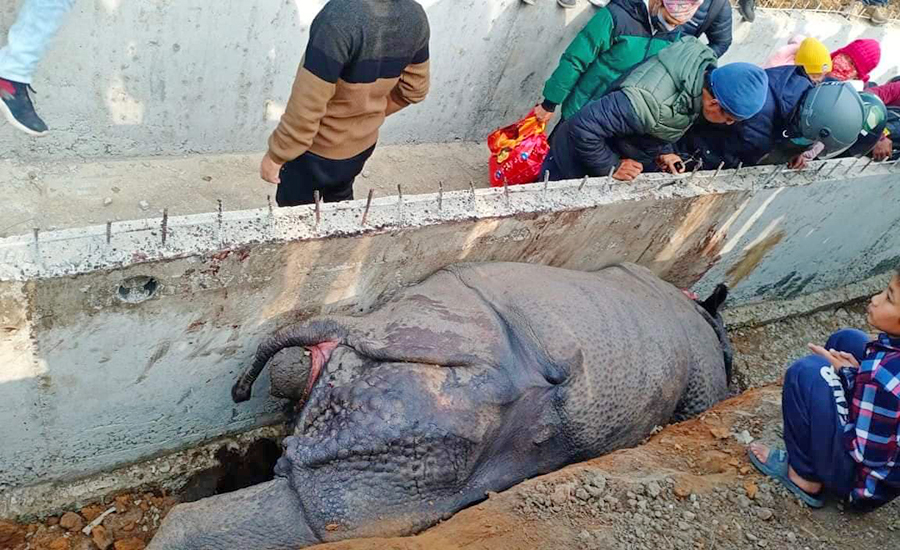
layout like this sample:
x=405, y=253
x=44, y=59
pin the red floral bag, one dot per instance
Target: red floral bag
x=518, y=151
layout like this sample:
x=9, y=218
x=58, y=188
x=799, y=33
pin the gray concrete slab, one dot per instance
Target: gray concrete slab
x=73, y=193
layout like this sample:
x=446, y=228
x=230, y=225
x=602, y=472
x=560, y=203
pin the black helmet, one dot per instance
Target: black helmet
x=832, y=113
x=873, y=125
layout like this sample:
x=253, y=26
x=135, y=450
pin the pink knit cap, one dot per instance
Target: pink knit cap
x=865, y=53
x=683, y=10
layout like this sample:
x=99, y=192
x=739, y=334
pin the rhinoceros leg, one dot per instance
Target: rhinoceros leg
x=264, y=517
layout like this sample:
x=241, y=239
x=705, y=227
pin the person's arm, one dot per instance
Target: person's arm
x=610, y=116
x=872, y=440
x=719, y=34
x=888, y=93
x=328, y=51
x=595, y=38
x=414, y=83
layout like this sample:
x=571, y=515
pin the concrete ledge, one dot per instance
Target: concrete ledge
x=123, y=244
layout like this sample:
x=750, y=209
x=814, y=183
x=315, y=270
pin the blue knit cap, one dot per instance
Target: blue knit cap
x=740, y=88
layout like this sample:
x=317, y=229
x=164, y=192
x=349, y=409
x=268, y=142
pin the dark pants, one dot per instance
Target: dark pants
x=882, y=3
x=813, y=431
x=301, y=177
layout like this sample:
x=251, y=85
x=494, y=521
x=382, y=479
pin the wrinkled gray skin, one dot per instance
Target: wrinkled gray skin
x=477, y=378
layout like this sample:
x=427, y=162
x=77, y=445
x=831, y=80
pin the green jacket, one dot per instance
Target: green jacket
x=666, y=92
x=616, y=39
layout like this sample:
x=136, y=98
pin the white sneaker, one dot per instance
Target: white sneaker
x=600, y=3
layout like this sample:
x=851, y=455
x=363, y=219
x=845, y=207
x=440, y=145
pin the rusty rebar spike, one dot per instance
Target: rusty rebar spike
x=819, y=169
x=583, y=182
x=696, y=170
x=368, y=205
x=269, y=202
x=108, y=232
x=866, y=166
x=164, y=226
x=772, y=175
x=612, y=170
x=734, y=174
x=440, y=196
x=317, y=197
x=833, y=170
x=399, y=204
x=37, y=245
x=219, y=218
x=472, y=191
x=852, y=166
x=719, y=169
x=546, y=180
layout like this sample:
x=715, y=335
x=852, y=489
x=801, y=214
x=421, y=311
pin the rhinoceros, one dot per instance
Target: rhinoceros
x=479, y=377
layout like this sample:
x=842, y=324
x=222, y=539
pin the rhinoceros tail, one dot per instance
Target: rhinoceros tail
x=715, y=300
x=292, y=336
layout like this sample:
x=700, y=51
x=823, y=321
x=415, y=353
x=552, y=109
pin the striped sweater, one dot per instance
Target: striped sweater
x=365, y=60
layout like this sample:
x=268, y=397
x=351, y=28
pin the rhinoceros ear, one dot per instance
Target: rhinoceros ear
x=716, y=299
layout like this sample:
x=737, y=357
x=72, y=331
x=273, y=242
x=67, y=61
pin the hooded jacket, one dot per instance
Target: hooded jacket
x=718, y=31
x=616, y=39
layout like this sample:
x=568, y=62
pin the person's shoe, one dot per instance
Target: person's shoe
x=876, y=15
x=568, y=4
x=19, y=110
x=748, y=10
x=600, y=3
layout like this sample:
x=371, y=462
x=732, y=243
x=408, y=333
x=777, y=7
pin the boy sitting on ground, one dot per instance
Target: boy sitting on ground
x=841, y=409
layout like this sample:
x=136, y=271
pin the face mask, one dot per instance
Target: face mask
x=663, y=24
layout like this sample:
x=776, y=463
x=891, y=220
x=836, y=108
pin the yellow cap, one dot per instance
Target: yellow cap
x=814, y=57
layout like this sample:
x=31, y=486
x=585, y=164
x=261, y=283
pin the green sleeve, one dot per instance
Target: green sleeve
x=594, y=39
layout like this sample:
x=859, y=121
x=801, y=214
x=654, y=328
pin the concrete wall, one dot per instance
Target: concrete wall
x=92, y=377
x=148, y=77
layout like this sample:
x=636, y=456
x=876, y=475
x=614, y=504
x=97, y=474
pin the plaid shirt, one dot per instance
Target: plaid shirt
x=872, y=433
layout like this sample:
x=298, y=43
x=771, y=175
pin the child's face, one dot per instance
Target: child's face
x=884, y=309
x=843, y=68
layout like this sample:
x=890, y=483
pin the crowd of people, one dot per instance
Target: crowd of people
x=638, y=92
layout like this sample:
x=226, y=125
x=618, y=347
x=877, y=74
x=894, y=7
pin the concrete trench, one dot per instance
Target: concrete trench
x=120, y=339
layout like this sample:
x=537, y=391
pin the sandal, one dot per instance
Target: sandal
x=776, y=467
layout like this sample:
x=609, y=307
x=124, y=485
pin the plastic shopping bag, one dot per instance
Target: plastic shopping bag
x=518, y=151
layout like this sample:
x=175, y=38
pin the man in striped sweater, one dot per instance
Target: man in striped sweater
x=365, y=60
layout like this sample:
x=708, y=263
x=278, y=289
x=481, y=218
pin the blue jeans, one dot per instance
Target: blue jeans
x=881, y=3
x=29, y=36
x=813, y=423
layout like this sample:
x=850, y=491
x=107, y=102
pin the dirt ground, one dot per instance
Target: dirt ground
x=688, y=487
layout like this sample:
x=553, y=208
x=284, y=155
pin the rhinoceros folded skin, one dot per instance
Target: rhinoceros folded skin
x=477, y=378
